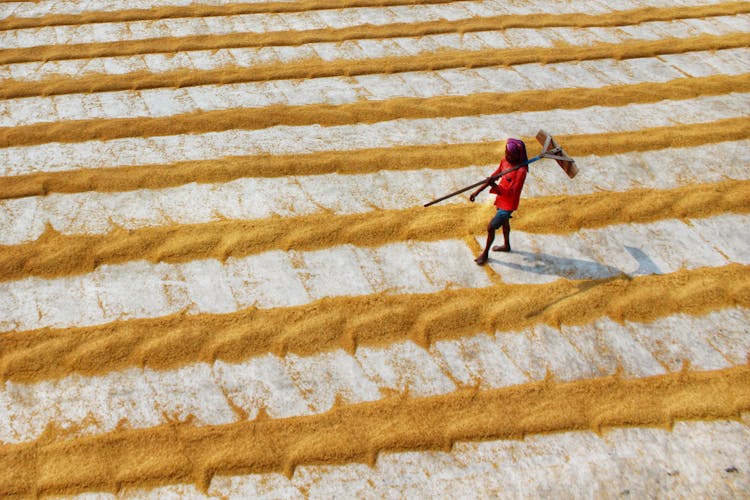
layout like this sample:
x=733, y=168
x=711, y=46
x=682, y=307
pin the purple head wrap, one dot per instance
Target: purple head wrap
x=515, y=151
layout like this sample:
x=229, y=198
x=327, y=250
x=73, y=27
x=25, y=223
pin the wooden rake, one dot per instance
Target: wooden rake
x=550, y=149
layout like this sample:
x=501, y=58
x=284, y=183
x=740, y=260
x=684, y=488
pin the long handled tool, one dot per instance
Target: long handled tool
x=550, y=150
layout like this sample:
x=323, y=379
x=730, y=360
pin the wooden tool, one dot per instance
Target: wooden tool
x=550, y=149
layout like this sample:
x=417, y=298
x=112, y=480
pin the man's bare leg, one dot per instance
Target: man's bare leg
x=486, y=253
x=506, y=237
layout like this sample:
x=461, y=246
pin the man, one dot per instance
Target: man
x=508, y=192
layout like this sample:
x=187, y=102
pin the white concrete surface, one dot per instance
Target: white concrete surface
x=25, y=219
x=139, y=289
x=57, y=157
x=297, y=386
x=162, y=102
x=659, y=247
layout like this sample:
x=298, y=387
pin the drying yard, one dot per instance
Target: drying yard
x=218, y=279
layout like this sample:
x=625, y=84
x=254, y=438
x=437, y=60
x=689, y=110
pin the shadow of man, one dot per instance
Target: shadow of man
x=565, y=267
x=646, y=266
x=578, y=269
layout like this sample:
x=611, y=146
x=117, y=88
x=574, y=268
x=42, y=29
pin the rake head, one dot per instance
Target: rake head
x=550, y=149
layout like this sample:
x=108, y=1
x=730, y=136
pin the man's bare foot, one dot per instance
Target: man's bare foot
x=504, y=248
x=481, y=259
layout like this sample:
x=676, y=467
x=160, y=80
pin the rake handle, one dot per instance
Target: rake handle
x=488, y=179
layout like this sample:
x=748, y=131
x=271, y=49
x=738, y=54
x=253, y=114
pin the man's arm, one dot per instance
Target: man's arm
x=488, y=182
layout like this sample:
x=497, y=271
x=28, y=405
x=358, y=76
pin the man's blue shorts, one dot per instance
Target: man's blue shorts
x=500, y=218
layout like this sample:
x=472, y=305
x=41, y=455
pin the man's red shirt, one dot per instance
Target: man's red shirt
x=509, y=187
